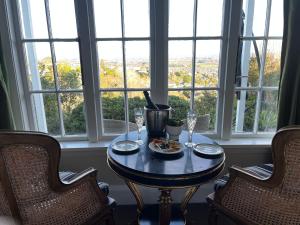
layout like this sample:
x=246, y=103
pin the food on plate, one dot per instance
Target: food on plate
x=166, y=145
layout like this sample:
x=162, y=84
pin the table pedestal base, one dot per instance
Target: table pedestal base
x=167, y=215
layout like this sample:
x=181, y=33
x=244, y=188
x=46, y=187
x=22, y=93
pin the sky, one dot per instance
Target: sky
x=108, y=17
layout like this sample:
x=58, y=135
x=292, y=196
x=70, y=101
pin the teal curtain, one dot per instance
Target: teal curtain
x=6, y=114
x=289, y=87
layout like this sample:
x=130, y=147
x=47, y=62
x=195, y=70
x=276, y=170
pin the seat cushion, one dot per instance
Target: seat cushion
x=263, y=171
x=64, y=175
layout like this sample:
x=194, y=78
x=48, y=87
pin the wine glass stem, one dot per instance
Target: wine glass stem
x=139, y=134
x=190, y=137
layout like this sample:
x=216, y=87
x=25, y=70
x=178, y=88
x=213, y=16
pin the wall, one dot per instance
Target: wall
x=80, y=159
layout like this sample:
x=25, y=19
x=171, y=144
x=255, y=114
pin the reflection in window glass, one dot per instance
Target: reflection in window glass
x=276, y=21
x=136, y=99
x=136, y=18
x=73, y=113
x=180, y=64
x=248, y=68
x=254, y=17
x=207, y=63
x=111, y=64
x=180, y=103
x=68, y=65
x=268, y=112
x=107, y=18
x=137, y=64
x=113, y=112
x=181, y=18
x=209, y=17
x=39, y=66
x=46, y=113
x=62, y=15
x=33, y=21
x=244, y=111
x=272, y=63
x=205, y=106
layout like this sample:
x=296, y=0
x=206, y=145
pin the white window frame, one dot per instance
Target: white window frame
x=158, y=66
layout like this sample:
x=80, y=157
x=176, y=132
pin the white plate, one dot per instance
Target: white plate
x=208, y=149
x=125, y=146
x=157, y=149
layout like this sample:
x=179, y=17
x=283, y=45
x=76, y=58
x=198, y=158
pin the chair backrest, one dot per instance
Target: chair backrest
x=286, y=150
x=4, y=206
x=27, y=159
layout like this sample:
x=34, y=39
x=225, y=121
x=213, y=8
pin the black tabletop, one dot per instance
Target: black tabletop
x=149, y=168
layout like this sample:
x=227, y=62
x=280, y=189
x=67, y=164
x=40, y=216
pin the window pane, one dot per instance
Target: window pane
x=137, y=64
x=33, y=18
x=63, y=22
x=180, y=64
x=255, y=16
x=68, y=65
x=73, y=113
x=45, y=109
x=136, y=18
x=247, y=72
x=135, y=100
x=272, y=64
x=39, y=66
x=276, y=21
x=244, y=111
x=111, y=64
x=107, y=18
x=180, y=103
x=212, y=9
x=181, y=18
x=268, y=112
x=113, y=112
x=207, y=63
x=205, y=106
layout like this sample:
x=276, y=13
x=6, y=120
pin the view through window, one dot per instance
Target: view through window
x=122, y=34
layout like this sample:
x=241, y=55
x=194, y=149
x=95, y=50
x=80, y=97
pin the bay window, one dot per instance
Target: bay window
x=85, y=63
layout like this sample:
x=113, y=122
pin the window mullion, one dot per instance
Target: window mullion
x=262, y=69
x=194, y=54
x=159, y=16
x=54, y=66
x=233, y=13
x=124, y=67
x=89, y=67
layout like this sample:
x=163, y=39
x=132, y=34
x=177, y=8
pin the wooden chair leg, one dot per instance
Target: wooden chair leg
x=212, y=216
x=110, y=220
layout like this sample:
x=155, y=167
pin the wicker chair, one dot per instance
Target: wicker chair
x=32, y=192
x=247, y=199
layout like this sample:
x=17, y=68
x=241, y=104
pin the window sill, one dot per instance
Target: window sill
x=233, y=143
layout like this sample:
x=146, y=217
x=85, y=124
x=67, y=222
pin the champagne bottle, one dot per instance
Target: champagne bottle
x=150, y=105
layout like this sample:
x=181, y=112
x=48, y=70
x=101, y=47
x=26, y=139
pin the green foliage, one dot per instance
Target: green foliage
x=180, y=107
x=174, y=123
x=113, y=106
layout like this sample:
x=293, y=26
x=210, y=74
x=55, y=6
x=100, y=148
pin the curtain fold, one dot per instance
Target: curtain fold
x=6, y=114
x=289, y=87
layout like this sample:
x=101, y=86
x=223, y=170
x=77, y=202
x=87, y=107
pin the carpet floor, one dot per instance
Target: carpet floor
x=126, y=214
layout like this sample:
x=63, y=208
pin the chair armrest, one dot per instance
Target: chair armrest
x=72, y=182
x=75, y=177
x=236, y=171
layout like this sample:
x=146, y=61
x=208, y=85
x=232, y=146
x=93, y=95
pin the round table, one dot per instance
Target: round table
x=184, y=170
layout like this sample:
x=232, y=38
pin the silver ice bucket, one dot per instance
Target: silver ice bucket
x=156, y=120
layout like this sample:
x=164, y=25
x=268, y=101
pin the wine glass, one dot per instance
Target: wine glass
x=191, y=120
x=139, y=120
